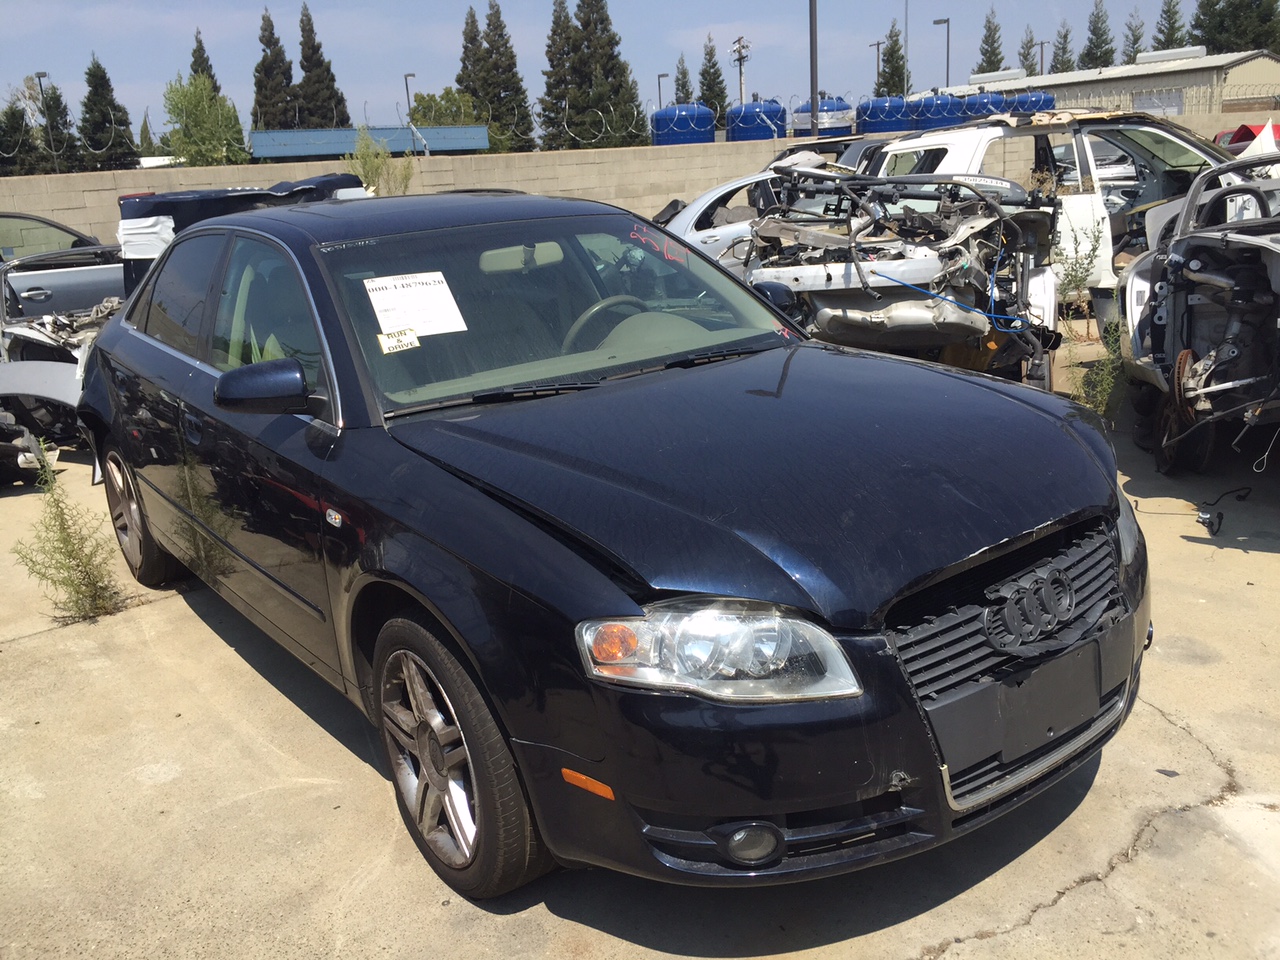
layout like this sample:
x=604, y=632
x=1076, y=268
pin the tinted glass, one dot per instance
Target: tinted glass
x=20, y=237
x=179, y=291
x=263, y=311
x=447, y=314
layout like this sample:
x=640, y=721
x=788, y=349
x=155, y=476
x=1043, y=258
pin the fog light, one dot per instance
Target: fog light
x=750, y=844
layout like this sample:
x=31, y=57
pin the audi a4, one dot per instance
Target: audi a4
x=626, y=571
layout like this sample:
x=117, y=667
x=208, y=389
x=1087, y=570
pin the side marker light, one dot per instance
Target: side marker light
x=586, y=783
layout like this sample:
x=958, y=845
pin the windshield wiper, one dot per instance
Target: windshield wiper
x=523, y=391
x=710, y=356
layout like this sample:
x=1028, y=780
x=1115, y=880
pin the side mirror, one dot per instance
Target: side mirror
x=779, y=296
x=272, y=386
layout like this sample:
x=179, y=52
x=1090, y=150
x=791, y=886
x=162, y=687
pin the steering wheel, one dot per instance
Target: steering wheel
x=589, y=314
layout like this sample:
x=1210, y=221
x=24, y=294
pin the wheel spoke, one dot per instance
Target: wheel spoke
x=455, y=759
x=457, y=810
x=400, y=725
x=420, y=699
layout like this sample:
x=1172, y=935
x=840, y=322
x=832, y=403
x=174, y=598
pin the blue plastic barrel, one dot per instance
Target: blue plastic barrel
x=835, y=118
x=883, y=115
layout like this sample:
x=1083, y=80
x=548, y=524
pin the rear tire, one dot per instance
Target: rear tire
x=150, y=564
x=456, y=782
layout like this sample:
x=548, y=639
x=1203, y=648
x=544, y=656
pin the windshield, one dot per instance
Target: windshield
x=447, y=315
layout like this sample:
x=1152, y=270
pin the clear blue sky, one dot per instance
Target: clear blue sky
x=373, y=44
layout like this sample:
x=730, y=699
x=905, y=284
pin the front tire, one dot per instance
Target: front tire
x=455, y=778
x=150, y=564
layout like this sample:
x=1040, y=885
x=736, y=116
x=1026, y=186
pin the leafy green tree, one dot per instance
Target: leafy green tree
x=892, y=80
x=104, y=124
x=449, y=108
x=1169, y=34
x=1027, y=52
x=711, y=88
x=554, y=103
x=205, y=129
x=1099, y=46
x=272, y=82
x=146, y=139
x=990, y=49
x=684, y=85
x=1228, y=26
x=502, y=92
x=1064, y=61
x=472, y=54
x=1134, y=32
x=200, y=62
x=319, y=104
x=606, y=111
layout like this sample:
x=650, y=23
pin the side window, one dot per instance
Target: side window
x=177, y=297
x=914, y=161
x=263, y=311
x=21, y=237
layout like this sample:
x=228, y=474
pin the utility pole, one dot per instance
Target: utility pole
x=1042, y=44
x=740, y=56
x=877, y=44
x=813, y=66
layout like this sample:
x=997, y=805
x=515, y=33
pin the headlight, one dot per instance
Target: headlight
x=1127, y=529
x=725, y=649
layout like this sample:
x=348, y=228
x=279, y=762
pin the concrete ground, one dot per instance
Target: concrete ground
x=172, y=784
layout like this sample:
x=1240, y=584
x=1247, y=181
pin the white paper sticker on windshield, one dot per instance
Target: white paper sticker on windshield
x=400, y=340
x=420, y=302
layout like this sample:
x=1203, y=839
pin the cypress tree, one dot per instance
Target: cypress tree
x=104, y=124
x=200, y=62
x=1134, y=29
x=611, y=115
x=1027, y=52
x=59, y=146
x=1169, y=33
x=1064, y=61
x=990, y=49
x=146, y=140
x=468, y=81
x=892, y=79
x=554, y=104
x=272, y=82
x=1099, y=47
x=320, y=104
x=1228, y=26
x=501, y=88
x=684, y=86
x=711, y=87
x=18, y=150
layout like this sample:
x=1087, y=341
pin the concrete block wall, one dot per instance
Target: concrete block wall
x=642, y=179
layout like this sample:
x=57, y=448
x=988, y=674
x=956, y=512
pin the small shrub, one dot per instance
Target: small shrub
x=1074, y=271
x=71, y=556
x=381, y=174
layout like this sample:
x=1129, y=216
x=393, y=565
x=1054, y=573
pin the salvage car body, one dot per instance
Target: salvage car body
x=1105, y=168
x=1200, y=340
x=955, y=269
x=596, y=433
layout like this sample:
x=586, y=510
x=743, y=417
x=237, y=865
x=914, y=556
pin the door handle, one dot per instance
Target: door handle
x=38, y=294
x=714, y=238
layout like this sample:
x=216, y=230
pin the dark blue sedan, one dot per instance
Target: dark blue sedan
x=626, y=571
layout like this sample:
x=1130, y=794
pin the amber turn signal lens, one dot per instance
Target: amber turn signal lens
x=587, y=783
x=613, y=643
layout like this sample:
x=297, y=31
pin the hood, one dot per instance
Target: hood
x=810, y=476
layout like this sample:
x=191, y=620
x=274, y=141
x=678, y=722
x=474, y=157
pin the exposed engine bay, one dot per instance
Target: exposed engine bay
x=954, y=269
x=1204, y=320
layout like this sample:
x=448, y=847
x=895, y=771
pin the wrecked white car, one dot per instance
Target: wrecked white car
x=1201, y=343
x=953, y=269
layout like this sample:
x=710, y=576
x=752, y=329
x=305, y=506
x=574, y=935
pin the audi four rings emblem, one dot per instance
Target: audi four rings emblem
x=1031, y=607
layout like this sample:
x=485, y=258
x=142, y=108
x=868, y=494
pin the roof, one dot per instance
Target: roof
x=1160, y=68
x=339, y=221
x=273, y=144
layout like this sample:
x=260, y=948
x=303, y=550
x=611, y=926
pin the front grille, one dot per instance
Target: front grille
x=948, y=650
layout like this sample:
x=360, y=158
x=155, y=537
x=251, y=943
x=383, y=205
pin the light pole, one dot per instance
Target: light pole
x=813, y=66
x=906, y=45
x=660, y=78
x=947, y=21
x=41, y=76
x=408, y=104
x=740, y=57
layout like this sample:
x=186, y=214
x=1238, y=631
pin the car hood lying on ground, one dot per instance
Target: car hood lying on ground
x=675, y=476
